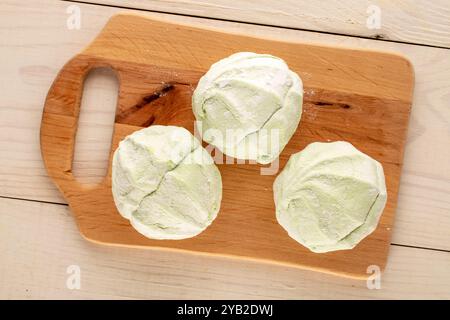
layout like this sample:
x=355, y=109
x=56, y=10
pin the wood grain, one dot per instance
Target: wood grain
x=40, y=241
x=413, y=21
x=363, y=97
x=422, y=217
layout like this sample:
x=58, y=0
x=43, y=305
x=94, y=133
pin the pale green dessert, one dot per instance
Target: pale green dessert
x=165, y=183
x=249, y=105
x=330, y=196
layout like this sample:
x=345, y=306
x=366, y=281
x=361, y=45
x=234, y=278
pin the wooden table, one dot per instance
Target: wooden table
x=39, y=240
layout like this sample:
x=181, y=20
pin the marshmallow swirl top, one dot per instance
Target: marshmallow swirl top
x=165, y=183
x=249, y=105
x=330, y=196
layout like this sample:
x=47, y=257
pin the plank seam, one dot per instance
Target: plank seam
x=34, y=200
x=419, y=247
x=256, y=24
x=66, y=205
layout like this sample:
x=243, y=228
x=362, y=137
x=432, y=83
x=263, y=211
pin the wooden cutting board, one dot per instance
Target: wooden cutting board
x=363, y=97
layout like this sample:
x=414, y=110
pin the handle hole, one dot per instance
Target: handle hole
x=95, y=126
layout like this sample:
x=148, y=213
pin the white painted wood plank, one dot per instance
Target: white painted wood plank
x=34, y=48
x=414, y=21
x=39, y=241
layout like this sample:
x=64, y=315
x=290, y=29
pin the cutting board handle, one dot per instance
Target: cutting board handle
x=60, y=120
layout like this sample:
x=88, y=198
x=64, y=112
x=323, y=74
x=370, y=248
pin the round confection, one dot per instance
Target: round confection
x=249, y=105
x=330, y=196
x=165, y=183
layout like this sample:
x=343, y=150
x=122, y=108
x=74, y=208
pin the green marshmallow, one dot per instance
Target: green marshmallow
x=165, y=183
x=249, y=105
x=330, y=196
